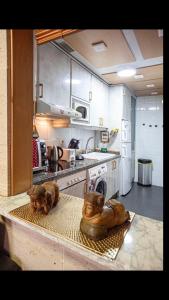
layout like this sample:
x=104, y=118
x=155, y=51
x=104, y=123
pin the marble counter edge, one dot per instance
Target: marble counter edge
x=69, y=246
x=9, y=203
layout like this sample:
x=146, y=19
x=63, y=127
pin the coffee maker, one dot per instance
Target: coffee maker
x=74, y=144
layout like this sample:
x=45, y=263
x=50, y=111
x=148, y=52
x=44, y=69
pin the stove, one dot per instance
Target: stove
x=60, y=165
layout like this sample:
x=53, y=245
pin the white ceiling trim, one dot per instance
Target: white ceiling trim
x=132, y=43
x=136, y=64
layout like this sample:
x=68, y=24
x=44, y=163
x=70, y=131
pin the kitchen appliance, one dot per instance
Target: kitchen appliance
x=39, y=155
x=52, y=111
x=68, y=154
x=54, y=153
x=126, y=131
x=81, y=107
x=74, y=144
x=74, y=184
x=96, y=179
x=79, y=157
x=126, y=182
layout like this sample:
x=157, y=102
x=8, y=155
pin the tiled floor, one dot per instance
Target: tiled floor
x=145, y=201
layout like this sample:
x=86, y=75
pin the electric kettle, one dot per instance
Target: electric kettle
x=54, y=153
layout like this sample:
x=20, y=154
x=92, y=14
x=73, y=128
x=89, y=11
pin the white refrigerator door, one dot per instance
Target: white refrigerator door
x=126, y=150
x=126, y=175
x=126, y=131
x=126, y=168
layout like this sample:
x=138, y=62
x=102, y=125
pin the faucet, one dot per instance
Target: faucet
x=92, y=137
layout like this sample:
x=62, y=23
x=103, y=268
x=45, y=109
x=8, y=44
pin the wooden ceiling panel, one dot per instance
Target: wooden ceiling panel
x=152, y=75
x=153, y=72
x=46, y=35
x=117, y=52
x=150, y=43
x=141, y=85
x=147, y=92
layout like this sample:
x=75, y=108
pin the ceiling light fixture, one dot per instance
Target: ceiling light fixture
x=139, y=76
x=99, y=47
x=150, y=85
x=126, y=72
x=154, y=93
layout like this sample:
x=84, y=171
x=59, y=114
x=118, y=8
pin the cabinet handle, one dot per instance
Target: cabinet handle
x=114, y=164
x=40, y=90
x=90, y=96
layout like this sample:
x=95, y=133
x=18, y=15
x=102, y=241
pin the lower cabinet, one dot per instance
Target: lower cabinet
x=112, y=177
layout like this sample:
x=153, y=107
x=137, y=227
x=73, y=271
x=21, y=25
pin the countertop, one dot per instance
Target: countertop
x=78, y=165
x=142, y=248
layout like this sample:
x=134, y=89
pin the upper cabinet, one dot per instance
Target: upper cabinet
x=99, y=103
x=53, y=75
x=80, y=82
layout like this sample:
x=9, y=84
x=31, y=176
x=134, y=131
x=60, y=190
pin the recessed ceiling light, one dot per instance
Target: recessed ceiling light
x=161, y=101
x=99, y=47
x=150, y=85
x=139, y=76
x=154, y=93
x=126, y=72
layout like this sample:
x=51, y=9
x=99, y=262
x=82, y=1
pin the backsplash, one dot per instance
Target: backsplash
x=62, y=136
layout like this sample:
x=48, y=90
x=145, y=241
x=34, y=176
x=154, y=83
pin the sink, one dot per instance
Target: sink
x=98, y=155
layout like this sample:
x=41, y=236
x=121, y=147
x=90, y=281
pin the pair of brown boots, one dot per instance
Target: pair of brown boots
x=98, y=216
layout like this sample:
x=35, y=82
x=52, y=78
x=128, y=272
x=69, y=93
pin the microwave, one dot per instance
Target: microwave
x=83, y=107
x=39, y=155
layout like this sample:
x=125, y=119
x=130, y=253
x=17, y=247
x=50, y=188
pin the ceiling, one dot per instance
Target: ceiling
x=139, y=49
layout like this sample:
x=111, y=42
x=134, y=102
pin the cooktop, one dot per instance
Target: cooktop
x=60, y=165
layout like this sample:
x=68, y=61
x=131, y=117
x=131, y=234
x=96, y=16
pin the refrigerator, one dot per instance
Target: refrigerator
x=126, y=157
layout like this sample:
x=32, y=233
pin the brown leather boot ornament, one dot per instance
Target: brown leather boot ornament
x=99, y=217
x=44, y=197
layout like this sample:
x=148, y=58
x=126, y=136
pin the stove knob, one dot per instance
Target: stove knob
x=76, y=179
x=72, y=181
x=68, y=183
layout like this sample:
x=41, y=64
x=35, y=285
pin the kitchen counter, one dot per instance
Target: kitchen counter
x=34, y=248
x=78, y=165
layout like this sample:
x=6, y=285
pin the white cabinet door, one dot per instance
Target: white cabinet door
x=116, y=175
x=112, y=178
x=54, y=75
x=99, y=103
x=80, y=82
x=126, y=115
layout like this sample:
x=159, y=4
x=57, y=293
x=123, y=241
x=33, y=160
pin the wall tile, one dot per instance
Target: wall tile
x=149, y=140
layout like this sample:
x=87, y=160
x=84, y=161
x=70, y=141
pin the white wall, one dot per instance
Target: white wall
x=55, y=136
x=149, y=140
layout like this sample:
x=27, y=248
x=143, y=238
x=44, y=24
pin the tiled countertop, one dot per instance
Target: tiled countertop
x=142, y=248
x=79, y=165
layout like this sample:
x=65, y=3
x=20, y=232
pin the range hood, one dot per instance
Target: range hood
x=53, y=111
